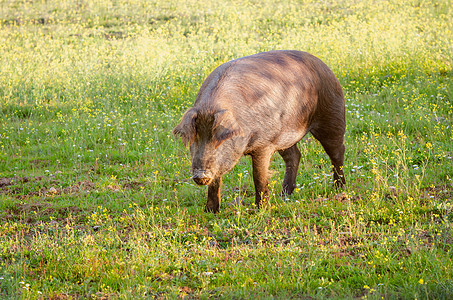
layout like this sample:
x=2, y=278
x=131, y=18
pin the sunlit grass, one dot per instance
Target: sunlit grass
x=96, y=196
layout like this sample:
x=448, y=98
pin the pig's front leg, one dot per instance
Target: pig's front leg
x=213, y=203
x=260, y=162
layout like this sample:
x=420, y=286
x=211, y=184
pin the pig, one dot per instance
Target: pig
x=261, y=104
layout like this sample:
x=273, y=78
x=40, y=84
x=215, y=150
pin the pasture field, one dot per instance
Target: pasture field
x=96, y=200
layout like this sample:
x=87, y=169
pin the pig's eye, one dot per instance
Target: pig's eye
x=222, y=135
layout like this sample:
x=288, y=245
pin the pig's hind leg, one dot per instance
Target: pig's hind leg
x=291, y=156
x=333, y=143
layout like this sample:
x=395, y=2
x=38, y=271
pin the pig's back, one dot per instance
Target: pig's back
x=274, y=95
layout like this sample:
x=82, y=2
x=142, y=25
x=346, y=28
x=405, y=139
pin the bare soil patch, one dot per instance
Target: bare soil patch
x=7, y=181
x=15, y=186
x=33, y=212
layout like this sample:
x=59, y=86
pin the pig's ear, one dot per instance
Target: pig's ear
x=225, y=127
x=186, y=128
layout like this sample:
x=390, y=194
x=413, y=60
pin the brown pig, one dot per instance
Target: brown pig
x=257, y=105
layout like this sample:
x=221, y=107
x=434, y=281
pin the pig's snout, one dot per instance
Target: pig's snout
x=202, y=177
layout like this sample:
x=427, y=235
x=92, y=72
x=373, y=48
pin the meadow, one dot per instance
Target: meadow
x=96, y=200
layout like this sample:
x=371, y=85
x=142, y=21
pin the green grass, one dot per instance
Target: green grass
x=95, y=195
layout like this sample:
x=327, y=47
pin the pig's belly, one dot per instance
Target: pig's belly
x=288, y=138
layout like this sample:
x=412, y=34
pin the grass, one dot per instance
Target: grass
x=95, y=195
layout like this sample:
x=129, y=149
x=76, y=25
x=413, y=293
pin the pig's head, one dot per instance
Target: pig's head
x=215, y=140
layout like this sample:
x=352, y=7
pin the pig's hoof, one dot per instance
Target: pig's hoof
x=339, y=184
x=211, y=210
x=287, y=189
x=286, y=194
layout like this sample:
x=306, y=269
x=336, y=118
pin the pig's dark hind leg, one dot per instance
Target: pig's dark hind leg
x=213, y=203
x=333, y=143
x=291, y=156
